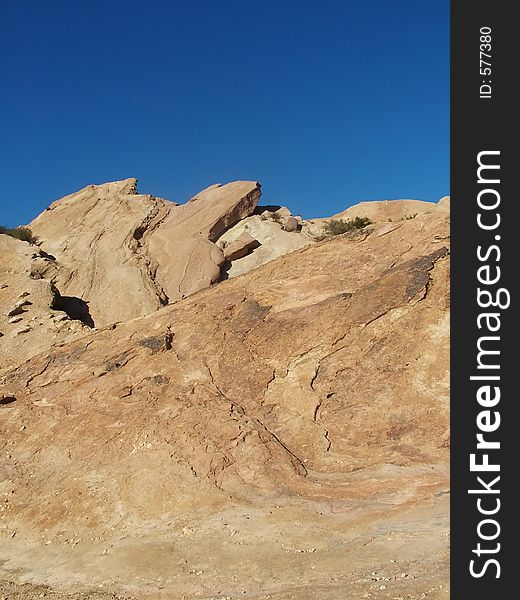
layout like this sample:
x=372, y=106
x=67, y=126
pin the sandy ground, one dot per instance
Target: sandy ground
x=286, y=552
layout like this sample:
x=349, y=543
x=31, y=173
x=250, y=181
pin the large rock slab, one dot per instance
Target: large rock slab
x=293, y=420
x=128, y=254
x=241, y=247
x=182, y=248
x=274, y=240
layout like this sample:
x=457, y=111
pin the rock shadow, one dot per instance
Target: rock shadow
x=224, y=270
x=75, y=308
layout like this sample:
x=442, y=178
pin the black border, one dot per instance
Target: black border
x=479, y=124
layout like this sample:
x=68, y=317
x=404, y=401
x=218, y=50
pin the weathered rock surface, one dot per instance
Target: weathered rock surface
x=268, y=230
x=240, y=247
x=183, y=249
x=378, y=211
x=33, y=314
x=128, y=254
x=386, y=210
x=293, y=421
x=291, y=224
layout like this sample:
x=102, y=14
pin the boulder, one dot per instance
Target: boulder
x=274, y=241
x=291, y=225
x=240, y=247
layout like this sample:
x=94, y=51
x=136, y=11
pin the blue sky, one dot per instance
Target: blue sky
x=325, y=103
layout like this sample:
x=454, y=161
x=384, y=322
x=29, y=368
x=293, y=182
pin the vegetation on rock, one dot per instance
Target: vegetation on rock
x=20, y=233
x=339, y=226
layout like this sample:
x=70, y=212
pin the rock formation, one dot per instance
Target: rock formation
x=267, y=227
x=130, y=254
x=33, y=314
x=283, y=434
x=241, y=247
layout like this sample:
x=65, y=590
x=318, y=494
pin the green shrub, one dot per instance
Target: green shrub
x=339, y=226
x=20, y=233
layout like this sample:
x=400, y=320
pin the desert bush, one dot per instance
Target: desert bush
x=339, y=226
x=276, y=217
x=20, y=233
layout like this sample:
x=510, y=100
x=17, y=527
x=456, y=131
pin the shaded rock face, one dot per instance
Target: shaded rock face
x=295, y=415
x=128, y=254
x=241, y=247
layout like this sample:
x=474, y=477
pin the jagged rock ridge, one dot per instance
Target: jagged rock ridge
x=129, y=254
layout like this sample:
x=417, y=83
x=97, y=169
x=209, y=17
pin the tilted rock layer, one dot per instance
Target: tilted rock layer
x=283, y=434
x=128, y=254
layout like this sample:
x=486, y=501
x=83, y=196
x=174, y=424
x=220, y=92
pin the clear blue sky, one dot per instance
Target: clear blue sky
x=326, y=103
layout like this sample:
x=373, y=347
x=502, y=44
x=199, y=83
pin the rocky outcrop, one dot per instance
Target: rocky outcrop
x=182, y=248
x=386, y=210
x=128, y=254
x=293, y=420
x=377, y=211
x=267, y=226
x=33, y=315
x=241, y=247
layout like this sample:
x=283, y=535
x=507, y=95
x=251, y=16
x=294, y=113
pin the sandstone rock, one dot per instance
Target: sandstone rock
x=22, y=330
x=24, y=297
x=297, y=411
x=274, y=241
x=108, y=239
x=18, y=308
x=14, y=311
x=183, y=246
x=291, y=224
x=242, y=246
x=6, y=398
x=302, y=405
x=385, y=210
x=444, y=203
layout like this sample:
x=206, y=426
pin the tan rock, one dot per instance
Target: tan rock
x=444, y=203
x=242, y=246
x=24, y=297
x=381, y=211
x=112, y=243
x=385, y=210
x=291, y=224
x=293, y=420
x=183, y=249
x=274, y=242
